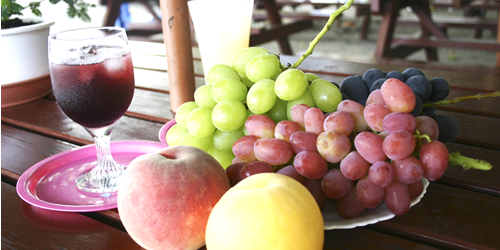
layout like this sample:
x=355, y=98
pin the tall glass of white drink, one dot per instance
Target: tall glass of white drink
x=222, y=28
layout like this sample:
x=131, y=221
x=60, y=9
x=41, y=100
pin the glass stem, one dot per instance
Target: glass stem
x=106, y=166
x=105, y=176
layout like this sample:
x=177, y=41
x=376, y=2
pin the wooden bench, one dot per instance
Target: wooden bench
x=445, y=22
x=432, y=36
x=319, y=11
x=278, y=31
x=474, y=16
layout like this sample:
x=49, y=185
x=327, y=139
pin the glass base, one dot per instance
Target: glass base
x=102, y=184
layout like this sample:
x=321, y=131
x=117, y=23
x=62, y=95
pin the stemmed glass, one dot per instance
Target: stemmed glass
x=93, y=83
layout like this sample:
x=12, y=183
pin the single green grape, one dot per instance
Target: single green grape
x=183, y=112
x=246, y=81
x=326, y=95
x=229, y=115
x=221, y=71
x=291, y=84
x=278, y=111
x=203, y=143
x=261, y=96
x=175, y=134
x=311, y=77
x=229, y=89
x=224, y=140
x=199, y=122
x=203, y=97
x=263, y=66
x=241, y=58
x=225, y=158
x=305, y=98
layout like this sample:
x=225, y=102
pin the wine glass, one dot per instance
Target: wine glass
x=93, y=83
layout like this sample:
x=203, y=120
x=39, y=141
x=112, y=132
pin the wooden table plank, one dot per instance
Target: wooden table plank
x=46, y=114
x=477, y=131
x=153, y=79
x=151, y=103
x=476, y=180
x=28, y=227
x=34, y=147
x=450, y=218
x=362, y=238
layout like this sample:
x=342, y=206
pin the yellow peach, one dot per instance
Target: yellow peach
x=266, y=211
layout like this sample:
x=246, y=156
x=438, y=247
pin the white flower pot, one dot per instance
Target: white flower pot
x=25, y=67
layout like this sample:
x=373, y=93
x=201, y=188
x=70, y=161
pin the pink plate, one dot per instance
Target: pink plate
x=162, y=135
x=50, y=184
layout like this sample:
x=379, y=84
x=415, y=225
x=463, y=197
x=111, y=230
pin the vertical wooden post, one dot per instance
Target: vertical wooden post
x=389, y=11
x=275, y=18
x=497, y=64
x=177, y=38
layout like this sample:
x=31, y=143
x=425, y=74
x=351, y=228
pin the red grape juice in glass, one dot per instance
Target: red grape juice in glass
x=97, y=94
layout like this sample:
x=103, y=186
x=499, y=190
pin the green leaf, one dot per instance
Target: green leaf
x=34, y=4
x=36, y=12
x=6, y=3
x=75, y=8
x=83, y=4
x=5, y=13
x=71, y=12
x=85, y=17
x=70, y=2
x=16, y=8
x=34, y=8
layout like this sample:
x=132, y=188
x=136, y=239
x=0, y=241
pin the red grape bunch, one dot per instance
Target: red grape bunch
x=358, y=156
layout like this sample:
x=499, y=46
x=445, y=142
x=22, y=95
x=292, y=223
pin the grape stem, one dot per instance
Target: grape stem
x=461, y=98
x=456, y=159
x=419, y=137
x=325, y=29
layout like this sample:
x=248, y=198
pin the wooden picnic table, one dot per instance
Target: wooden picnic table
x=460, y=211
x=277, y=31
x=431, y=36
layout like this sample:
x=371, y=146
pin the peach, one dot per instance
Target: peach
x=165, y=198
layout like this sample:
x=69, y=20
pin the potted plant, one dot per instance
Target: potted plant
x=25, y=70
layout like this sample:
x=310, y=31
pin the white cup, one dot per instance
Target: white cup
x=222, y=28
